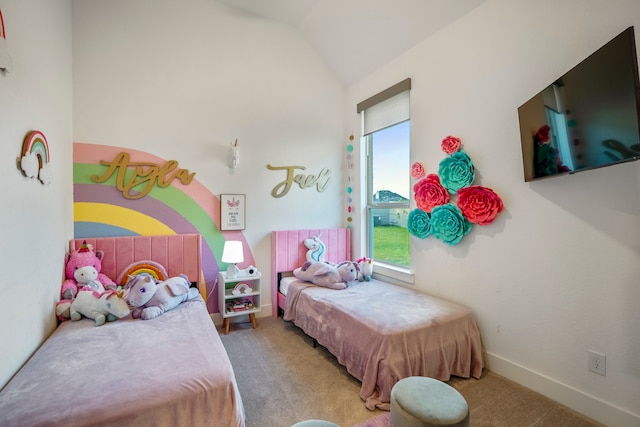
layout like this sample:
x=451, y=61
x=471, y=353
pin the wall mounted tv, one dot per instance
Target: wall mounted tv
x=588, y=118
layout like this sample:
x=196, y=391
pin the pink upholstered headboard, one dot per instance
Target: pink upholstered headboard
x=289, y=252
x=178, y=253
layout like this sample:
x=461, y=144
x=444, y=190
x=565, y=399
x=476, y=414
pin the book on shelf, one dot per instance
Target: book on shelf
x=240, y=305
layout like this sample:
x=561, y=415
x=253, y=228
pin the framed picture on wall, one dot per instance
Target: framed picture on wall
x=232, y=212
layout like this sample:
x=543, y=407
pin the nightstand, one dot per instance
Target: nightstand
x=238, y=297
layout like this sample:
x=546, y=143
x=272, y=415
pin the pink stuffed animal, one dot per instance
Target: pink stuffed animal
x=82, y=272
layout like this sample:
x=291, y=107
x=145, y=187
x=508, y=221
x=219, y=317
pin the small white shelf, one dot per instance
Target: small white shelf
x=226, y=295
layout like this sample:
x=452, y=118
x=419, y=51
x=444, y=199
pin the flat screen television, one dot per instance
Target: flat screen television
x=587, y=118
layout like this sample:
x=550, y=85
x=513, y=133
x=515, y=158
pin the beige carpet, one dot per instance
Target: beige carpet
x=283, y=380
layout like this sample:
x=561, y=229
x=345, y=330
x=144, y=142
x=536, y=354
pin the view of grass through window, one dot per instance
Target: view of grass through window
x=391, y=243
x=389, y=187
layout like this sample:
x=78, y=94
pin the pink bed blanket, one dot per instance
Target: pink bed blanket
x=169, y=371
x=382, y=333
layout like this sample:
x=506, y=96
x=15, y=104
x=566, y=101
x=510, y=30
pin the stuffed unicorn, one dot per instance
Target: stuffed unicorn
x=365, y=265
x=332, y=276
x=107, y=306
x=150, y=298
x=316, y=249
x=82, y=272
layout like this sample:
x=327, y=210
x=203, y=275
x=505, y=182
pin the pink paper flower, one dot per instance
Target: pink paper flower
x=429, y=193
x=480, y=205
x=417, y=170
x=451, y=144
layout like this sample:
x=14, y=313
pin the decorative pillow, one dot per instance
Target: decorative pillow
x=150, y=267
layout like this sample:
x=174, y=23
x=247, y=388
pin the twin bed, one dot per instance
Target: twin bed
x=380, y=332
x=171, y=370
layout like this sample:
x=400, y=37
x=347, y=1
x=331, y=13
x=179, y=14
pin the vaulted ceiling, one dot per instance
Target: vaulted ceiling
x=355, y=37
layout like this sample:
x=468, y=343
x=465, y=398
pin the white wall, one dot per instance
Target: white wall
x=35, y=220
x=558, y=273
x=555, y=275
x=181, y=80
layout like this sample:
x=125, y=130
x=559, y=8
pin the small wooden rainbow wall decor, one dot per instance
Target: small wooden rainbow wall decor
x=35, y=158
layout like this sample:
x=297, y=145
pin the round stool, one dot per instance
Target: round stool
x=427, y=402
x=315, y=423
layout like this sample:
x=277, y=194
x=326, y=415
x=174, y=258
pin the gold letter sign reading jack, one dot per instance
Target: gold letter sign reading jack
x=321, y=180
x=143, y=173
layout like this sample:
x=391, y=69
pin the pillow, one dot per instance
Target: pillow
x=150, y=267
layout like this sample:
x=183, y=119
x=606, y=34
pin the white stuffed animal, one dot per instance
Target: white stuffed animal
x=316, y=248
x=366, y=269
x=106, y=307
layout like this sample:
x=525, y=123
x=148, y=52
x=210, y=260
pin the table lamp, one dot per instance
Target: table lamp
x=232, y=254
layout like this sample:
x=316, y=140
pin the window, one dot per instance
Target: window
x=386, y=132
x=388, y=195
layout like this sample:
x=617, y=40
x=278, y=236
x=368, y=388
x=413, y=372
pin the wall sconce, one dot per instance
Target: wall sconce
x=232, y=254
x=233, y=155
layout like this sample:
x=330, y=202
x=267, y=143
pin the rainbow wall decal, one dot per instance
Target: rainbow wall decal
x=35, y=158
x=100, y=210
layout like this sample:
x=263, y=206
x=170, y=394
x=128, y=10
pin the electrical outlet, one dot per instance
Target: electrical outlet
x=597, y=363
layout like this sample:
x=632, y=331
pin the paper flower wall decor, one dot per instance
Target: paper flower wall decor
x=429, y=193
x=436, y=213
x=451, y=144
x=419, y=223
x=417, y=170
x=448, y=224
x=456, y=171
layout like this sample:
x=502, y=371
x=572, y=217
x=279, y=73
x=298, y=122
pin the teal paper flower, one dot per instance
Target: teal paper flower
x=456, y=172
x=448, y=224
x=419, y=223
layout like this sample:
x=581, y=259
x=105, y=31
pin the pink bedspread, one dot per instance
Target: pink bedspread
x=382, y=333
x=169, y=371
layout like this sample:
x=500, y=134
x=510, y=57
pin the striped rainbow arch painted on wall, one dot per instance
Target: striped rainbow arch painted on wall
x=100, y=210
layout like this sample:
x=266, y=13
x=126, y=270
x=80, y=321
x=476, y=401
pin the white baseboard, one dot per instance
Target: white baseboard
x=568, y=396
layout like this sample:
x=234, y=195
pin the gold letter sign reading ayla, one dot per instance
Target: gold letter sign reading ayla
x=321, y=180
x=145, y=174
